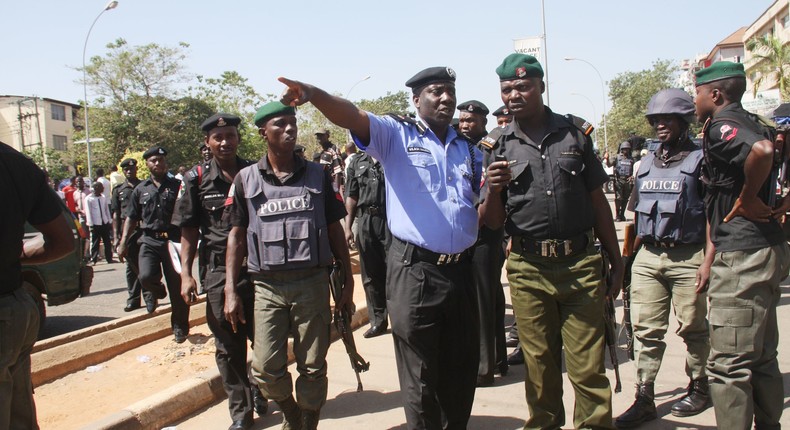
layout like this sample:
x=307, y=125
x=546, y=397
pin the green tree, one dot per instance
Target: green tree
x=630, y=92
x=772, y=59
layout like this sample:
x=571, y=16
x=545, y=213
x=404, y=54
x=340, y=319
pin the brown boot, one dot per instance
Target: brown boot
x=310, y=419
x=643, y=409
x=292, y=413
x=695, y=401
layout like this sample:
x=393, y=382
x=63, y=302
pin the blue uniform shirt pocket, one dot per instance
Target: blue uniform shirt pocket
x=425, y=178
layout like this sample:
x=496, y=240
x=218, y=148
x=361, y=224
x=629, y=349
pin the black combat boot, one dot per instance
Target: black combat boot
x=310, y=419
x=643, y=409
x=292, y=414
x=695, y=401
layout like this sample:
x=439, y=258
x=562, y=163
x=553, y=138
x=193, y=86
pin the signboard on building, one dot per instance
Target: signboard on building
x=765, y=102
x=532, y=46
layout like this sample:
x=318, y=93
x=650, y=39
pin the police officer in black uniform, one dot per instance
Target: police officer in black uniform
x=503, y=116
x=152, y=204
x=623, y=178
x=121, y=200
x=487, y=261
x=199, y=214
x=366, y=200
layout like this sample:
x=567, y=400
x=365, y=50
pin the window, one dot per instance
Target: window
x=59, y=142
x=785, y=21
x=58, y=112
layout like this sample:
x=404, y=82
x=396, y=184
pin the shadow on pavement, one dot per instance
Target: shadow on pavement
x=57, y=325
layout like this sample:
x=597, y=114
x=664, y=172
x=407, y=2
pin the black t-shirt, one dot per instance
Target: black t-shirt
x=201, y=202
x=729, y=136
x=236, y=205
x=31, y=200
x=365, y=182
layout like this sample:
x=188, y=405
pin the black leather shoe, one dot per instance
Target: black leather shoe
x=516, y=357
x=502, y=367
x=375, y=331
x=151, y=306
x=241, y=424
x=130, y=308
x=696, y=400
x=180, y=335
x=511, y=342
x=259, y=403
x=643, y=409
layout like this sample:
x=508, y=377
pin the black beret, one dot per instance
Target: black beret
x=473, y=106
x=156, y=150
x=431, y=75
x=502, y=111
x=220, y=120
x=129, y=162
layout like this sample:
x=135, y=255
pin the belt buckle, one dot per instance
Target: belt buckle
x=548, y=248
x=442, y=259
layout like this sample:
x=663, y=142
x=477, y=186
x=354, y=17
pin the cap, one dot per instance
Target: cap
x=625, y=145
x=156, y=150
x=431, y=75
x=270, y=110
x=473, y=106
x=519, y=66
x=718, y=71
x=321, y=131
x=220, y=120
x=129, y=162
x=502, y=111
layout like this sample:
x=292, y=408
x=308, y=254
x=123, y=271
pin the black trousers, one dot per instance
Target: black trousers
x=203, y=256
x=622, y=192
x=231, y=348
x=133, y=285
x=101, y=232
x=155, y=259
x=373, y=239
x=487, y=269
x=435, y=333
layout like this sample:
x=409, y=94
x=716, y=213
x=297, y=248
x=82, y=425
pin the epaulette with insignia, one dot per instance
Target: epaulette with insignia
x=580, y=123
x=491, y=138
x=409, y=120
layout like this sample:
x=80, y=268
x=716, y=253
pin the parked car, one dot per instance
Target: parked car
x=61, y=281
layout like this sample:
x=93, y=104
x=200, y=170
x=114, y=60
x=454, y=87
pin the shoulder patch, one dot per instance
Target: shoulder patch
x=405, y=119
x=580, y=123
x=489, y=141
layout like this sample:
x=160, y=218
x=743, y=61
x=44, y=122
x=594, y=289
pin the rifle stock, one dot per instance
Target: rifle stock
x=342, y=321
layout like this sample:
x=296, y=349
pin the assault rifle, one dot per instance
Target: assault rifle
x=610, y=325
x=342, y=321
x=628, y=259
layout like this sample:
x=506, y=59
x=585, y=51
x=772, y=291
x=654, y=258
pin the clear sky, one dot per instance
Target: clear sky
x=334, y=44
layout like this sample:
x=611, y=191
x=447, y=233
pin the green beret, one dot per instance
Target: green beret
x=220, y=120
x=519, y=66
x=270, y=110
x=718, y=71
x=156, y=150
x=473, y=106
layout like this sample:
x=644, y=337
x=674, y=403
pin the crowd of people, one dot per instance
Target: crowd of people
x=437, y=210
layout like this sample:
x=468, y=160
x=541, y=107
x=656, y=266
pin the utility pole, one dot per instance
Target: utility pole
x=40, y=140
x=21, y=125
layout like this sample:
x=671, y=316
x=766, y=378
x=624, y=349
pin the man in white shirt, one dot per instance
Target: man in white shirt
x=97, y=216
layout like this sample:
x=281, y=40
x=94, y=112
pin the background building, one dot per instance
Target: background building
x=27, y=123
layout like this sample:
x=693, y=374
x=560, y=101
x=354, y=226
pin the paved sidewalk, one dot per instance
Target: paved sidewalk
x=496, y=408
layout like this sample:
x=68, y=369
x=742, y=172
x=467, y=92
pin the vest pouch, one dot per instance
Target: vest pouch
x=645, y=225
x=667, y=210
x=299, y=242
x=273, y=240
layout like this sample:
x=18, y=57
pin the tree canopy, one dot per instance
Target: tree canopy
x=772, y=57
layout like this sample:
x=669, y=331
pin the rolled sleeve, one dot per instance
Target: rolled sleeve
x=187, y=212
x=382, y=130
x=236, y=206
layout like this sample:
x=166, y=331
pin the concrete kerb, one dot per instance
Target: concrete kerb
x=190, y=396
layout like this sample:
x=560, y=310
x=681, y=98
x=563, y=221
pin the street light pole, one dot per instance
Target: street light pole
x=111, y=5
x=594, y=115
x=355, y=84
x=603, y=96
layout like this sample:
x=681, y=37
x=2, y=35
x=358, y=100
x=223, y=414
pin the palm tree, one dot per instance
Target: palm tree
x=772, y=57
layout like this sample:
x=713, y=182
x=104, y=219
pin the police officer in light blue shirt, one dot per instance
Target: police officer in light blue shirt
x=433, y=180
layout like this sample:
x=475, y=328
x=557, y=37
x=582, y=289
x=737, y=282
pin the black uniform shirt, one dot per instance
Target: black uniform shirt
x=31, y=200
x=153, y=206
x=729, y=136
x=201, y=202
x=236, y=209
x=549, y=196
x=121, y=197
x=365, y=182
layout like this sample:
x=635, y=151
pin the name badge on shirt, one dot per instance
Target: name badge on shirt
x=286, y=205
x=412, y=149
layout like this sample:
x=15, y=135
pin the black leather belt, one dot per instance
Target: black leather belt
x=7, y=293
x=371, y=210
x=664, y=244
x=435, y=258
x=156, y=234
x=552, y=248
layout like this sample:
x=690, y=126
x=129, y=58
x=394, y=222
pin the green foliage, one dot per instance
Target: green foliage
x=772, y=57
x=53, y=162
x=630, y=92
x=400, y=102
